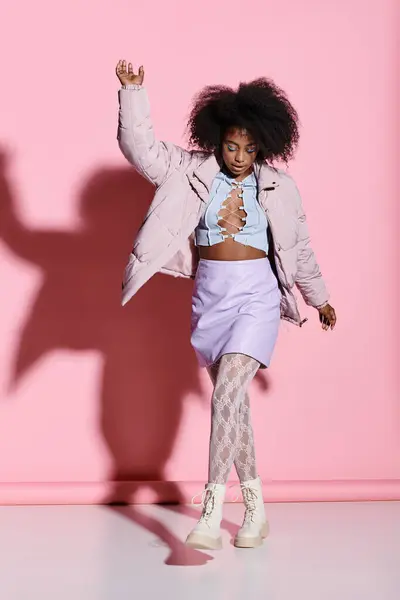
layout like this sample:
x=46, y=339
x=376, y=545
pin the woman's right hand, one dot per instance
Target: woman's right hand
x=127, y=76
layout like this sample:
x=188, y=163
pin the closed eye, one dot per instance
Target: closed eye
x=249, y=150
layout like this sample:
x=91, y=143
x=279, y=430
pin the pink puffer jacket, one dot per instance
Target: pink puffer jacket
x=165, y=241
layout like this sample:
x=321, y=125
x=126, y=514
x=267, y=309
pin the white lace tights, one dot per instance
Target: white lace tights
x=232, y=439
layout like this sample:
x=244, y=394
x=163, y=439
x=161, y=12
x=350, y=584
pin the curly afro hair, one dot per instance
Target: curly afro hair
x=260, y=107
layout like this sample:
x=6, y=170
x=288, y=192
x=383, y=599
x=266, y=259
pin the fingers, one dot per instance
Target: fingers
x=325, y=322
x=141, y=74
x=122, y=70
x=121, y=67
x=328, y=319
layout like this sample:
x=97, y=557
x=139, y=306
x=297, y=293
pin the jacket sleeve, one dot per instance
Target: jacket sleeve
x=154, y=159
x=308, y=278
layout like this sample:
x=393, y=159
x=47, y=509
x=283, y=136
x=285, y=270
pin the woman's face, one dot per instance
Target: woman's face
x=239, y=151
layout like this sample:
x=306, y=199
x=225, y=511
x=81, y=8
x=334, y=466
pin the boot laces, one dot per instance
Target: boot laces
x=250, y=498
x=208, y=504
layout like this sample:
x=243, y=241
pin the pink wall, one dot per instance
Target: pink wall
x=90, y=392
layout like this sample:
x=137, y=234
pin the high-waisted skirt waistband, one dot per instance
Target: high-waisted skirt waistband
x=246, y=263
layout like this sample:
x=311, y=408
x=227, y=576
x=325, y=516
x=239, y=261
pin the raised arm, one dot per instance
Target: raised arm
x=154, y=159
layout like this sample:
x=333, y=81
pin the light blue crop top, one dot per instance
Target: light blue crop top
x=254, y=230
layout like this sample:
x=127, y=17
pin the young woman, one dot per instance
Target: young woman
x=224, y=216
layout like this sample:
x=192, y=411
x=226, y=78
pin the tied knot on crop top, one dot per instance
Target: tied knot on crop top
x=233, y=211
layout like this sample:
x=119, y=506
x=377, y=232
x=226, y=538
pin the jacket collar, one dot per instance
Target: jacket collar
x=208, y=168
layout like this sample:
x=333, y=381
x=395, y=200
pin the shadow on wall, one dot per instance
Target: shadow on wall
x=149, y=365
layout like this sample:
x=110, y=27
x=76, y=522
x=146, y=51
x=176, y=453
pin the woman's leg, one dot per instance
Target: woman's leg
x=233, y=374
x=255, y=525
x=231, y=432
x=245, y=458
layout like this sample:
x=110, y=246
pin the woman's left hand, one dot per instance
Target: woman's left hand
x=327, y=316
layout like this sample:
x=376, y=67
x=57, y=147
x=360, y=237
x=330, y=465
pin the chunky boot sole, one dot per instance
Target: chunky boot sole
x=202, y=541
x=252, y=542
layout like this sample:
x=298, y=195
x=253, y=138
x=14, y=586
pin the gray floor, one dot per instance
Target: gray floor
x=316, y=551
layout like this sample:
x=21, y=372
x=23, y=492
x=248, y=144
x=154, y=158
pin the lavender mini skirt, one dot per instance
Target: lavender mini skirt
x=235, y=309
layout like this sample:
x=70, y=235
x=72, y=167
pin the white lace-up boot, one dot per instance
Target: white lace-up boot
x=207, y=533
x=255, y=525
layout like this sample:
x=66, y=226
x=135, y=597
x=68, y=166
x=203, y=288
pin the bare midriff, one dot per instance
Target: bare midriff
x=230, y=250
